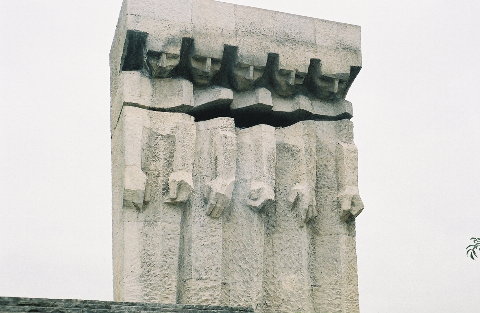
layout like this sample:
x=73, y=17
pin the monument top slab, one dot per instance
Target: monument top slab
x=256, y=32
x=234, y=171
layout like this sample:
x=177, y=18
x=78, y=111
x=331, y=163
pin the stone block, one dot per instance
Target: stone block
x=212, y=99
x=257, y=100
x=214, y=171
x=137, y=88
x=172, y=94
x=256, y=32
x=334, y=283
x=288, y=234
x=244, y=225
x=234, y=171
x=158, y=157
x=180, y=12
x=211, y=20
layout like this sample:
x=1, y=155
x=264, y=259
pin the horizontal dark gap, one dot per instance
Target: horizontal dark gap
x=245, y=118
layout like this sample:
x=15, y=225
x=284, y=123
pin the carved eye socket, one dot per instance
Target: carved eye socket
x=169, y=59
x=216, y=63
x=201, y=63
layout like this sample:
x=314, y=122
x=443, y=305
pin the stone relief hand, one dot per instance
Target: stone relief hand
x=302, y=200
x=350, y=203
x=180, y=187
x=134, y=188
x=133, y=199
x=219, y=196
x=261, y=196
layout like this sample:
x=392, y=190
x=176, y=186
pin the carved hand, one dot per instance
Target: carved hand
x=134, y=188
x=219, y=196
x=261, y=196
x=133, y=199
x=302, y=199
x=351, y=205
x=180, y=186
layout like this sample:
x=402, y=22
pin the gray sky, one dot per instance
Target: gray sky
x=417, y=127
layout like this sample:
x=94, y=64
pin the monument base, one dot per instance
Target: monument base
x=16, y=305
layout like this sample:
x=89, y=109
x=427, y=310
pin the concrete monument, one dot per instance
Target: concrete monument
x=234, y=167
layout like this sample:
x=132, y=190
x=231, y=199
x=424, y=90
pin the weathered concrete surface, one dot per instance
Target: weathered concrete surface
x=333, y=256
x=288, y=280
x=251, y=48
x=244, y=226
x=258, y=32
x=235, y=177
x=153, y=164
x=214, y=176
x=23, y=305
x=269, y=224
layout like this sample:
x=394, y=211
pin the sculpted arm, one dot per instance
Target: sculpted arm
x=262, y=189
x=221, y=188
x=180, y=181
x=134, y=178
x=302, y=194
x=349, y=200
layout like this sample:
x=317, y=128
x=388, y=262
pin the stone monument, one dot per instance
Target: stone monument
x=233, y=161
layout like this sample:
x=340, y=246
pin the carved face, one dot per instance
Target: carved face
x=206, y=87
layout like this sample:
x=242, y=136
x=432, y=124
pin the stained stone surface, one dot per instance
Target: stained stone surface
x=235, y=177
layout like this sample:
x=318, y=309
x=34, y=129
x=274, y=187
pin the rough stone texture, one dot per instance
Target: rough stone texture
x=244, y=226
x=333, y=263
x=251, y=48
x=155, y=150
x=256, y=100
x=288, y=280
x=235, y=178
x=258, y=32
x=212, y=99
x=24, y=305
x=214, y=176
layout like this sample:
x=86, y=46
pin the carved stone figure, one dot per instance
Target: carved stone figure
x=234, y=168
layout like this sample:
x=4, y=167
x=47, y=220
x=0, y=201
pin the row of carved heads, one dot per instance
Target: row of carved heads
x=230, y=73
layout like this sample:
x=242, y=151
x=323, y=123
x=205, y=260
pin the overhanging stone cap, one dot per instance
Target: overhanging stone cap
x=256, y=33
x=212, y=59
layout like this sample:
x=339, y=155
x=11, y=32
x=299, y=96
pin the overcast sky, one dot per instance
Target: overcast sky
x=417, y=126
